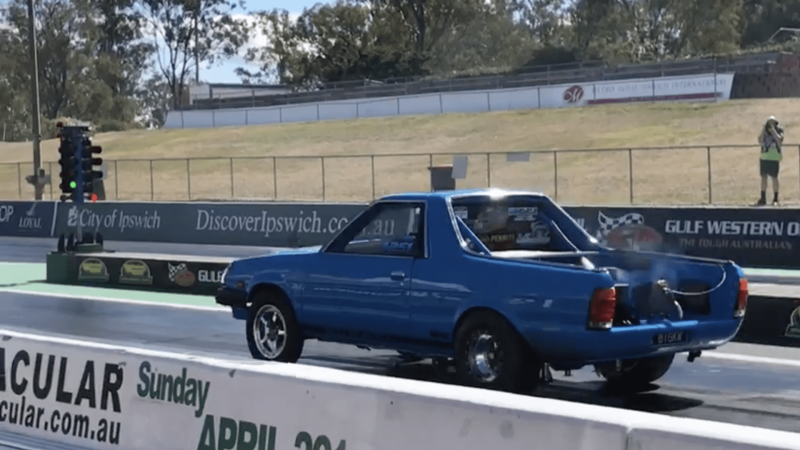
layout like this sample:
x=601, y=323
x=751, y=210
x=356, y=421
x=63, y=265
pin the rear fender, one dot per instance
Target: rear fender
x=705, y=288
x=535, y=300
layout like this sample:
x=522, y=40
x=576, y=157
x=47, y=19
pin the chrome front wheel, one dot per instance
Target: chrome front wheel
x=273, y=333
x=269, y=329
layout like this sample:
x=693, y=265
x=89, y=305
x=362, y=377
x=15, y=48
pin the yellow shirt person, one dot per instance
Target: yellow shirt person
x=771, y=141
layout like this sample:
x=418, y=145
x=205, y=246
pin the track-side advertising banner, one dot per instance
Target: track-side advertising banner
x=26, y=219
x=256, y=224
x=754, y=237
x=104, y=397
x=116, y=270
x=70, y=396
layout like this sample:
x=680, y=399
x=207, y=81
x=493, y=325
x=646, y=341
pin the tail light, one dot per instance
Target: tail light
x=741, y=299
x=601, y=308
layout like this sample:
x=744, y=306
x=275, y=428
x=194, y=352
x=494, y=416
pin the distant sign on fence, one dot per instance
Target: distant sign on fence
x=705, y=87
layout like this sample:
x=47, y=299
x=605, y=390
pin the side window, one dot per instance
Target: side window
x=395, y=229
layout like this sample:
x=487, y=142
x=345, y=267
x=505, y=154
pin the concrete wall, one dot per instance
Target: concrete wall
x=705, y=87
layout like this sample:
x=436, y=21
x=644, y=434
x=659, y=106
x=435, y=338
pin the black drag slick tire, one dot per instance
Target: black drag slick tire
x=276, y=306
x=637, y=372
x=516, y=369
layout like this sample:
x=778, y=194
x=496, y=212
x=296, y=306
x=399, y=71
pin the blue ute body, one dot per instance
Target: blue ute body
x=405, y=272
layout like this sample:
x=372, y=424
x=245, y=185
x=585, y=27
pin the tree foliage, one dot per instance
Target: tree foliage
x=125, y=63
x=191, y=32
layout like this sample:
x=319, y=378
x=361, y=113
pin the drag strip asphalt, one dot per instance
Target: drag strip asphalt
x=35, y=250
x=711, y=388
x=728, y=385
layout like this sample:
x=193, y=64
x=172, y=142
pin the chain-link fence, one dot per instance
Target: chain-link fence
x=674, y=175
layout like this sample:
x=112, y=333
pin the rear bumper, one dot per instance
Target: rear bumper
x=591, y=347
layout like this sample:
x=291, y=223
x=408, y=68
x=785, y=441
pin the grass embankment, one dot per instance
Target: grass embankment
x=589, y=177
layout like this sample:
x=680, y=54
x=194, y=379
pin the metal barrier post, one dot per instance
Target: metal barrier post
x=322, y=168
x=116, y=182
x=488, y=170
x=430, y=155
x=630, y=174
x=555, y=175
x=275, y=177
x=373, y=175
x=152, y=183
x=232, y=185
x=708, y=155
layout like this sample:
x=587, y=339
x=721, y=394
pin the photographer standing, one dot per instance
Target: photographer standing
x=771, y=140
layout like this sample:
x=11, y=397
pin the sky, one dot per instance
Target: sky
x=224, y=73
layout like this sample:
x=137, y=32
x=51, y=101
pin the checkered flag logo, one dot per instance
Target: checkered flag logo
x=606, y=224
x=175, y=270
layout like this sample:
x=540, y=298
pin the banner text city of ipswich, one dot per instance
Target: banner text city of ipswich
x=34, y=381
x=117, y=219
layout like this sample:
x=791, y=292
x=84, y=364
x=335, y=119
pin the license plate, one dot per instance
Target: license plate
x=676, y=337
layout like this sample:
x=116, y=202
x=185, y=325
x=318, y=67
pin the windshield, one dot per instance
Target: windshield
x=521, y=222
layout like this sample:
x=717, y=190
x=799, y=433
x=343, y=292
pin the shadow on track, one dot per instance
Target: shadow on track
x=587, y=392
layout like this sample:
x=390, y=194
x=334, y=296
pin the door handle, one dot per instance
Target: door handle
x=398, y=276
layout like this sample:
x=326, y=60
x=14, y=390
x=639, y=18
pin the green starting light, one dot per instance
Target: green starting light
x=72, y=184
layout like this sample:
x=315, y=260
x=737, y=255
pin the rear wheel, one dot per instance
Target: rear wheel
x=491, y=354
x=273, y=333
x=636, y=372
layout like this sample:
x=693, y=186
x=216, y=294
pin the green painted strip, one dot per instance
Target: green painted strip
x=28, y=278
x=772, y=272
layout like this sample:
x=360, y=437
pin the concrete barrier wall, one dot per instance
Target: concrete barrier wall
x=706, y=87
x=101, y=396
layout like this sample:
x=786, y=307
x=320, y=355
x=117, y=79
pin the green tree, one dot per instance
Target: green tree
x=708, y=28
x=545, y=19
x=648, y=30
x=600, y=30
x=14, y=110
x=190, y=32
x=121, y=57
x=427, y=21
x=65, y=54
x=486, y=40
x=762, y=18
x=154, y=97
x=336, y=42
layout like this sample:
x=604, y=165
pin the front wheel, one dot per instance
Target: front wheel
x=636, y=372
x=273, y=333
x=491, y=354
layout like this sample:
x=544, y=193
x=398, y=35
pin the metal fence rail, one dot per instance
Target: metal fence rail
x=665, y=175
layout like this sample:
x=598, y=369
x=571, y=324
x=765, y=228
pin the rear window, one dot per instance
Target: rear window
x=512, y=223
